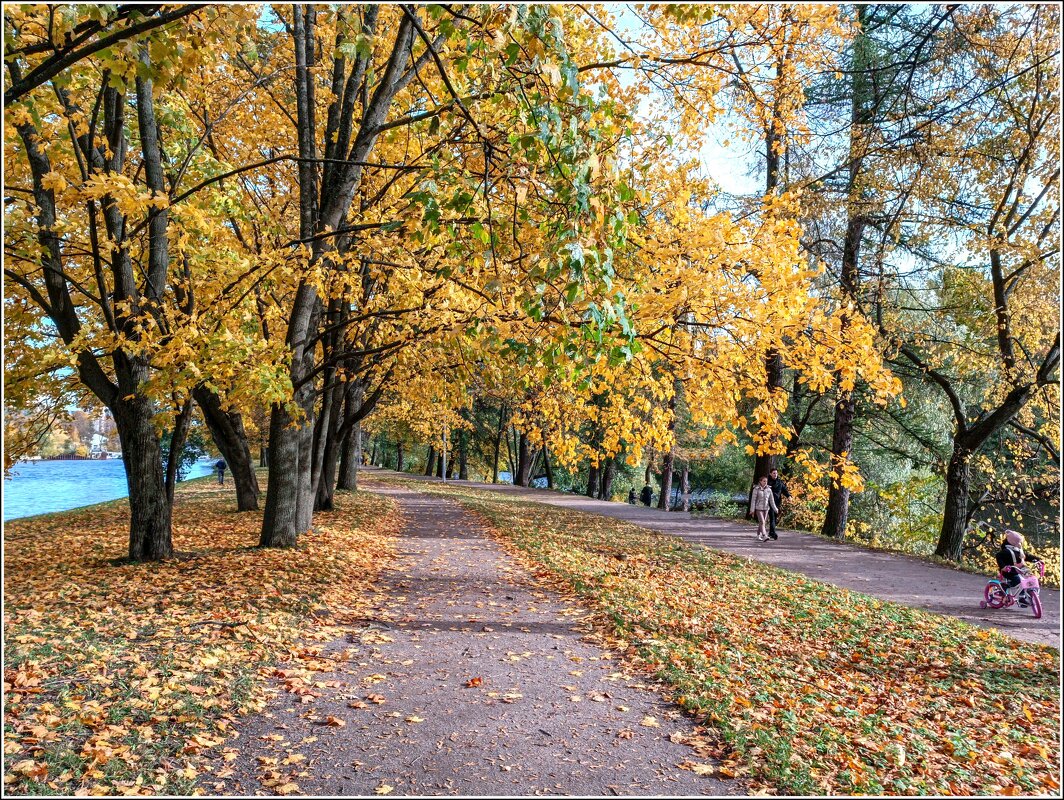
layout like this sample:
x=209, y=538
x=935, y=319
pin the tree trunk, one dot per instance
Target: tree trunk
x=229, y=436
x=510, y=455
x=664, y=500
x=149, y=522
x=178, y=437
x=305, y=497
x=861, y=104
x=439, y=464
x=838, y=510
x=279, y=516
x=592, y=479
x=430, y=461
x=763, y=463
x=399, y=456
x=685, y=485
x=607, y=475
x=955, y=516
x=463, y=456
x=328, y=443
x=547, y=468
x=498, y=443
x=524, y=461
x=350, y=459
x=647, y=471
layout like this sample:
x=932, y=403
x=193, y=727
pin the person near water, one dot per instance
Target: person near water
x=219, y=469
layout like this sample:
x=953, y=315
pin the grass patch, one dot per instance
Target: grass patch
x=126, y=678
x=810, y=688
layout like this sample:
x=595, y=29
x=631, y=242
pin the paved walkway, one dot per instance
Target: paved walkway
x=890, y=576
x=470, y=679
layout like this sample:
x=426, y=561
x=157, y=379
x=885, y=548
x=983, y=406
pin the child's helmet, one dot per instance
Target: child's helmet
x=1013, y=538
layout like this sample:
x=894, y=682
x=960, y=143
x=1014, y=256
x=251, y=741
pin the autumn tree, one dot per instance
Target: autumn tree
x=89, y=237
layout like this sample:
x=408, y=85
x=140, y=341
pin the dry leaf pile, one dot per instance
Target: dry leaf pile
x=123, y=678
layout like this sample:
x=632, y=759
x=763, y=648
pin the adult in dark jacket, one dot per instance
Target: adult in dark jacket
x=647, y=495
x=779, y=491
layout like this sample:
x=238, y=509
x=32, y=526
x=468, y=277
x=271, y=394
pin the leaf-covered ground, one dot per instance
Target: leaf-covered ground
x=125, y=678
x=812, y=688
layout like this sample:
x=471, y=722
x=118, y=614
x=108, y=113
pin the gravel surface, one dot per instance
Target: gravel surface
x=470, y=679
x=890, y=576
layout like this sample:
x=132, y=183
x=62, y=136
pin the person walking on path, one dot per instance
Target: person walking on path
x=219, y=468
x=647, y=495
x=631, y=496
x=779, y=491
x=762, y=501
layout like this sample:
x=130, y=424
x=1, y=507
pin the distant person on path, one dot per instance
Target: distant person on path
x=1011, y=555
x=762, y=501
x=631, y=496
x=647, y=495
x=219, y=468
x=779, y=491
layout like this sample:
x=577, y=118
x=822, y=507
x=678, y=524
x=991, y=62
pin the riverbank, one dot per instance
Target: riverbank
x=47, y=486
x=127, y=678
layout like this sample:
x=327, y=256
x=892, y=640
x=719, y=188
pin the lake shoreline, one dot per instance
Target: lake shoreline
x=66, y=484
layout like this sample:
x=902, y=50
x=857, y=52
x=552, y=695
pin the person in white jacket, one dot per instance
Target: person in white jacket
x=761, y=502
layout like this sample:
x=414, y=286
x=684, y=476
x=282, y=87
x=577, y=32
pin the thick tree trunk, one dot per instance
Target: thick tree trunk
x=524, y=461
x=607, y=475
x=229, y=436
x=149, y=523
x=399, y=456
x=440, y=462
x=178, y=437
x=838, y=510
x=664, y=500
x=329, y=443
x=463, y=456
x=305, y=497
x=279, y=517
x=592, y=480
x=430, y=461
x=955, y=516
x=350, y=459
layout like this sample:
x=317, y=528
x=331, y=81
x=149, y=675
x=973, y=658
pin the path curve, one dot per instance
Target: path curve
x=487, y=685
x=889, y=576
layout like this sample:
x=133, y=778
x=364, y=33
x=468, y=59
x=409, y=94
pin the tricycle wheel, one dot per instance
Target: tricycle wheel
x=1036, y=605
x=994, y=595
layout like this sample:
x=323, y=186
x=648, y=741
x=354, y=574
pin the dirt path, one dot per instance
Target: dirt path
x=890, y=576
x=469, y=680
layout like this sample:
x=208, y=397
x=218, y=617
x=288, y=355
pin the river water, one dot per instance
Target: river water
x=40, y=487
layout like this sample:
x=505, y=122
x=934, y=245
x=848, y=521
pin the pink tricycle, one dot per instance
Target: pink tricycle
x=998, y=594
